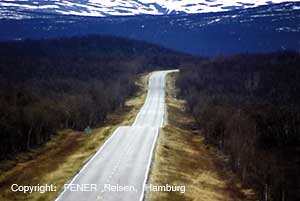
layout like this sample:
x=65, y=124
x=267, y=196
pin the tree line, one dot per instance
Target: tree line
x=67, y=83
x=249, y=107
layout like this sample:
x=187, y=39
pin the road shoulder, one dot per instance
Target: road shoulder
x=63, y=156
x=182, y=158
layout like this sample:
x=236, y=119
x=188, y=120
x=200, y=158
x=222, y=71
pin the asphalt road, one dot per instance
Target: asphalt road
x=119, y=169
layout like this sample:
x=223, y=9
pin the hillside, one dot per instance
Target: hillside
x=248, y=107
x=70, y=83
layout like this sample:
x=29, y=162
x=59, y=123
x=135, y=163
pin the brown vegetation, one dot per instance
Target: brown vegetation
x=182, y=158
x=248, y=106
x=63, y=156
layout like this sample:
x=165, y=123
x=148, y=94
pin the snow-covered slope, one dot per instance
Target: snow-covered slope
x=104, y=8
x=260, y=29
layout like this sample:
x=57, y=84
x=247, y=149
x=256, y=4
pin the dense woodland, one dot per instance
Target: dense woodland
x=246, y=105
x=69, y=83
x=249, y=107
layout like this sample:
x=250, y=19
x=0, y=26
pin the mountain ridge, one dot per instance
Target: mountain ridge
x=106, y=8
x=261, y=29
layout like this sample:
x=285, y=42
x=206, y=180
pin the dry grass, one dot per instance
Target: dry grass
x=182, y=158
x=62, y=157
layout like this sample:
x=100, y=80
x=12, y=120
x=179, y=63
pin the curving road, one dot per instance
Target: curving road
x=119, y=169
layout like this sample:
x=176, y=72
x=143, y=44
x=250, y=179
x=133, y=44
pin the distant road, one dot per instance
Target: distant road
x=119, y=170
